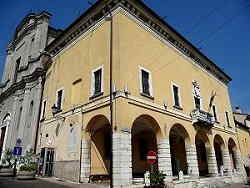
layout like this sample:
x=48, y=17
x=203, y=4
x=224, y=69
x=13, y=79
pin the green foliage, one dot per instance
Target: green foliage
x=29, y=167
x=8, y=159
x=28, y=162
x=157, y=178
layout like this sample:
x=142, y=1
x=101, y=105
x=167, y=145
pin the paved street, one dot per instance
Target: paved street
x=9, y=182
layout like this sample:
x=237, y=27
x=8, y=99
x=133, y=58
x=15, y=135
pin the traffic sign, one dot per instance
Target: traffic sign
x=17, y=151
x=151, y=157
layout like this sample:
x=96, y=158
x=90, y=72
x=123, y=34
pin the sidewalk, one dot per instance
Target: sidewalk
x=71, y=184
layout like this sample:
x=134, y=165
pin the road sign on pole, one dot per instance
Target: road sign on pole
x=151, y=157
x=17, y=151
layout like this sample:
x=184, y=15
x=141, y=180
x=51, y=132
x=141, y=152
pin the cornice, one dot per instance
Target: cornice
x=138, y=9
x=22, y=83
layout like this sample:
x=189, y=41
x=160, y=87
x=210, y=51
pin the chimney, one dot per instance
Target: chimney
x=238, y=110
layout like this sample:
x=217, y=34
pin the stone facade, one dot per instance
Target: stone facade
x=146, y=113
x=67, y=170
x=22, y=82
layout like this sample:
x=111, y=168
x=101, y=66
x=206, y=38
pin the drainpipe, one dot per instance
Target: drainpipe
x=111, y=93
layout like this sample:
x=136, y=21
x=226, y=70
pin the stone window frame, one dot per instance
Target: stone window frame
x=43, y=109
x=227, y=119
x=92, y=88
x=62, y=101
x=180, y=107
x=151, y=92
x=217, y=120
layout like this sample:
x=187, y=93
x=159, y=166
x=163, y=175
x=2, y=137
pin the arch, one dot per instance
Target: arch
x=232, y=148
x=3, y=132
x=202, y=144
x=145, y=133
x=6, y=120
x=219, y=147
x=96, y=123
x=99, y=130
x=149, y=123
x=179, y=141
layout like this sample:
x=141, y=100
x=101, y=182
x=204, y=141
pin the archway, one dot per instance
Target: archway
x=202, y=143
x=3, y=133
x=179, y=139
x=145, y=131
x=232, y=148
x=219, y=146
x=100, y=133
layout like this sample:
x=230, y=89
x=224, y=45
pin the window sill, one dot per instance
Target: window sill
x=178, y=107
x=148, y=96
x=96, y=95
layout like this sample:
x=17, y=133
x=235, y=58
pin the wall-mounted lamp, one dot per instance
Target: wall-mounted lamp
x=55, y=110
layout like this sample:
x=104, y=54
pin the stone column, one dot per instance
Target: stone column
x=164, y=158
x=227, y=162
x=211, y=160
x=193, y=168
x=122, y=159
x=85, y=160
x=239, y=163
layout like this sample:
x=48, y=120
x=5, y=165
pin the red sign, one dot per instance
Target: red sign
x=151, y=157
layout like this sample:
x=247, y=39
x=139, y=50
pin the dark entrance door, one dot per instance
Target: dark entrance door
x=46, y=161
x=3, y=131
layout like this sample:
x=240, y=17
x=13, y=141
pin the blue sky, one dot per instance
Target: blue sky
x=220, y=28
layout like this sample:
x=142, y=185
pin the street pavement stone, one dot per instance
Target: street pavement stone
x=10, y=182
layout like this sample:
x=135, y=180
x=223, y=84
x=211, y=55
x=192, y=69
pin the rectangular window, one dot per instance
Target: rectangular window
x=43, y=110
x=197, y=102
x=176, y=96
x=227, y=118
x=59, y=99
x=145, y=82
x=214, y=112
x=18, y=61
x=98, y=82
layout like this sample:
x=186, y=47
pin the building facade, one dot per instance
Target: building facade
x=166, y=96
x=242, y=122
x=21, y=86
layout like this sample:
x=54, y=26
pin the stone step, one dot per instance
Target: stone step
x=138, y=181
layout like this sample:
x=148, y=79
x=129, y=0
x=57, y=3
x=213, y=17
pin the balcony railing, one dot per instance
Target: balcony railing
x=199, y=116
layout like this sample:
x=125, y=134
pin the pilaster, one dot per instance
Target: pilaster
x=164, y=157
x=226, y=162
x=211, y=160
x=122, y=159
x=85, y=160
x=193, y=169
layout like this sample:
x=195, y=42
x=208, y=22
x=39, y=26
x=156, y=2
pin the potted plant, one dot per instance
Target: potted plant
x=157, y=179
x=7, y=163
x=27, y=166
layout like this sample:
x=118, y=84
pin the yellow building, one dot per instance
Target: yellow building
x=242, y=122
x=166, y=96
